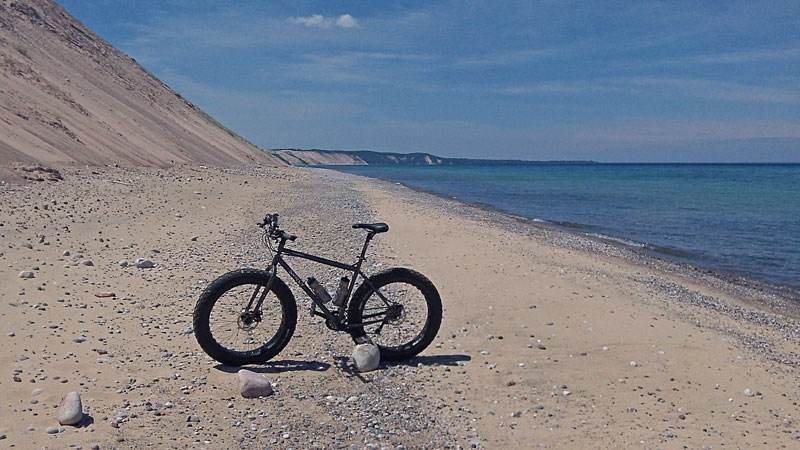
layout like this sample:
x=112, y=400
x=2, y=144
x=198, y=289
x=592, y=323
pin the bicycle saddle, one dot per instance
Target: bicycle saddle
x=373, y=227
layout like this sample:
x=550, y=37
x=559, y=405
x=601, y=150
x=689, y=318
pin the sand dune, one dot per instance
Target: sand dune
x=67, y=96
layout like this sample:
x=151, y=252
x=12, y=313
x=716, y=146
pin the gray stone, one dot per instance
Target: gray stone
x=144, y=263
x=26, y=274
x=123, y=263
x=252, y=385
x=71, y=411
x=366, y=357
x=52, y=430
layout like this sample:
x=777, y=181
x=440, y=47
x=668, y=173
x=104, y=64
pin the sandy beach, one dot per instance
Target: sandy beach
x=549, y=340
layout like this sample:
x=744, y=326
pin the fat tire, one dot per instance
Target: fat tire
x=220, y=286
x=432, y=299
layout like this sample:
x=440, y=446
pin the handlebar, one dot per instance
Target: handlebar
x=270, y=226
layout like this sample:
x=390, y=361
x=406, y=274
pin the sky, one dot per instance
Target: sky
x=635, y=81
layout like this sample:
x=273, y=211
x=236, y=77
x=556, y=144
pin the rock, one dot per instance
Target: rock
x=123, y=263
x=71, y=411
x=366, y=357
x=144, y=263
x=252, y=385
x=52, y=430
x=26, y=274
x=105, y=294
x=634, y=364
x=748, y=392
x=88, y=262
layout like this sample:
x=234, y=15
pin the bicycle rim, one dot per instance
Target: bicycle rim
x=238, y=330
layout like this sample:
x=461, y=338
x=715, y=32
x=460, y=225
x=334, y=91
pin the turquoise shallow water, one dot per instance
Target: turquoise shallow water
x=737, y=218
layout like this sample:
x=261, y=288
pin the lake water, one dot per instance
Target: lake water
x=738, y=218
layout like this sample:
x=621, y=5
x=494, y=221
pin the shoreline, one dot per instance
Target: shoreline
x=780, y=297
x=547, y=338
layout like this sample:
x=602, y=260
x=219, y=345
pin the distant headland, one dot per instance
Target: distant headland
x=317, y=157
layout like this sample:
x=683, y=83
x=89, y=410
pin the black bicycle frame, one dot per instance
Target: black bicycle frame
x=354, y=269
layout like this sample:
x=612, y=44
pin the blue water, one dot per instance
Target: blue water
x=738, y=218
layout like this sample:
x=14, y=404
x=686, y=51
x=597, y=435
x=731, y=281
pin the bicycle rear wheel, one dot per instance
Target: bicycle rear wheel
x=231, y=334
x=406, y=322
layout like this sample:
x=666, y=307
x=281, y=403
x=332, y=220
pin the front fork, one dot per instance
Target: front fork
x=257, y=305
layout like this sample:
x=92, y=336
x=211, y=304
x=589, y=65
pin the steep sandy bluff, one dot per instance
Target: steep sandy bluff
x=67, y=96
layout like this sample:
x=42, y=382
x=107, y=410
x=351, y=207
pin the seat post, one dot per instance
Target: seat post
x=370, y=235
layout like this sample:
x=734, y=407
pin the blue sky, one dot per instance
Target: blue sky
x=607, y=81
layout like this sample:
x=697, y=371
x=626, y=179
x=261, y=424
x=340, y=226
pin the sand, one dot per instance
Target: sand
x=548, y=340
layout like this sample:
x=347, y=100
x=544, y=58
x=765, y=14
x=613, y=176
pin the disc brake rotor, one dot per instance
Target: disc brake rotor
x=248, y=320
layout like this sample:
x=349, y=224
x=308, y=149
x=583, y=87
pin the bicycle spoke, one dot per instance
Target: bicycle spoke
x=237, y=327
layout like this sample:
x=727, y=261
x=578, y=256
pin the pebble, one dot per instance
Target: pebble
x=144, y=263
x=634, y=364
x=88, y=262
x=367, y=357
x=252, y=385
x=52, y=430
x=748, y=392
x=26, y=274
x=71, y=411
x=79, y=340
x=124, y=263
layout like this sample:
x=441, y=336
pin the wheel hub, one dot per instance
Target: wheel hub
x=394, y=314
x=249, y=320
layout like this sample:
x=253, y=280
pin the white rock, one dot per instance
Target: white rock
x=123, y=263
x=634, y=364
x=253, y=385
x=144, y=263
x=26, y=274
x=71, y=411
x=366, y=357
x=748, y=392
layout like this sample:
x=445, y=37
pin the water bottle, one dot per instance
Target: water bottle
x=341, y=292
x=319, y=290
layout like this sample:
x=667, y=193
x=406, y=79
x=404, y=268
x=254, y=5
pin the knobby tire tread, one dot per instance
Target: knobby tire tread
x=215, y=290
x=432, y=298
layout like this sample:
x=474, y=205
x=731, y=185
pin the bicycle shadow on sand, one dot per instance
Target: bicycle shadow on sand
x=345, y=364
x=286, y=365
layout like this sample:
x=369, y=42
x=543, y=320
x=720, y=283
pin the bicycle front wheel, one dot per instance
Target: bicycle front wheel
x=231, y=333
x=403, y=320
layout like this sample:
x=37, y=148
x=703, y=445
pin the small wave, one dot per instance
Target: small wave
x=673, y=252
x=573, y=225
x=623, y=241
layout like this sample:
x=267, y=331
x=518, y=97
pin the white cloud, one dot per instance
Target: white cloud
x=320, y=21
x=346, y=21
